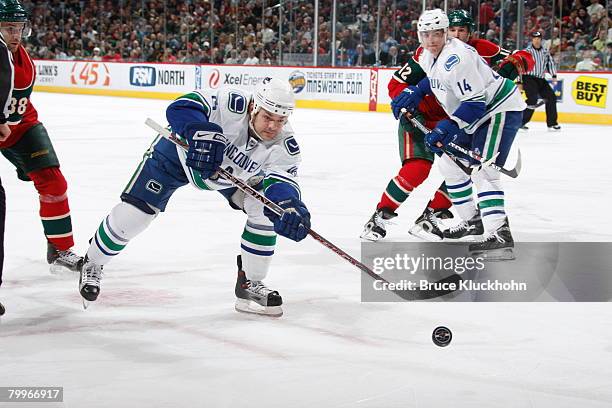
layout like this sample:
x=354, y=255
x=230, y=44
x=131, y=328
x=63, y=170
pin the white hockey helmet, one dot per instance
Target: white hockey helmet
x=275, y=96
x=432, y=20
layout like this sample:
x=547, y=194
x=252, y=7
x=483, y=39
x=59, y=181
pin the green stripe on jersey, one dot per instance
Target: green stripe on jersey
x=495, y=134
x=498, y=202
x=108, y=241
x=196, y=97
x=57, y=227
x=264, y=240
x=269, y=180
x=396, y=192
x=461, y=194
x=506, y=89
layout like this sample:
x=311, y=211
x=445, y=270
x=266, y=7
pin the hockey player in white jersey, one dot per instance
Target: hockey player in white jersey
x=484, y=112
x=247, y=135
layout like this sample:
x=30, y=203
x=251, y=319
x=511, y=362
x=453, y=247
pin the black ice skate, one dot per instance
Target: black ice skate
x=62, y=262
x=497, y=246
x=255, y=297
x=89, y=282
x=374, y=229
x=469, y=231
x=427, y=226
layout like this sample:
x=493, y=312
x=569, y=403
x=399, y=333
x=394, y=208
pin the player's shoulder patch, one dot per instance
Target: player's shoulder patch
x=451, y=61
x=236, y=101
x=291, y=145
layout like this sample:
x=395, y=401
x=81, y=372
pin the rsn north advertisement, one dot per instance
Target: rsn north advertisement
x=120, y=77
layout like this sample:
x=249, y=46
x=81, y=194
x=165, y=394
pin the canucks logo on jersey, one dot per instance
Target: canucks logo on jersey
x=451, y=62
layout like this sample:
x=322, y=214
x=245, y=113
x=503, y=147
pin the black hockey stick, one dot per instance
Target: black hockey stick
x=416, y=294
x=537, y=105
x=483, y=163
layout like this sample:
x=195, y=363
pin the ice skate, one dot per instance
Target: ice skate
x=469, y=231
x=62, y=262
x=89, y=282
x=427, y=226
x=498, y=246
x=374, y=229
x=255, y=297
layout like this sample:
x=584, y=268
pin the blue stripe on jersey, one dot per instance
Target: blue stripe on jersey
x=100, y=246
x=485, y=214
x=462, y=202
x=456, y=186
x=470, y=111
x=488, y=193
x=256, y=252
x=260, y=226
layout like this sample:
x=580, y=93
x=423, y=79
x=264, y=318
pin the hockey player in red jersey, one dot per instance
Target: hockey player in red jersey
x=28, y=146
x=416, y=158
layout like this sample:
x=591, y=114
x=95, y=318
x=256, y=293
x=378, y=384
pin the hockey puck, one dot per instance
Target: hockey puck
x=2, y=309
x=441, y=336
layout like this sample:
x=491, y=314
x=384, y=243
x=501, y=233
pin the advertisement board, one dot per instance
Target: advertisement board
x=581, y=97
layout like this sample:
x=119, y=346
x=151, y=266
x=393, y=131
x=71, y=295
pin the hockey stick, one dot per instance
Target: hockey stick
x=510, y=173
x=415, y=294
x=537, y=105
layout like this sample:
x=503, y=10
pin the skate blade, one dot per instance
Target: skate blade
x=419, y=232
x=249, y=306
x=463, y=240
x=371, y=236
x=60, y=270
x=86, y=304
x=495, y=255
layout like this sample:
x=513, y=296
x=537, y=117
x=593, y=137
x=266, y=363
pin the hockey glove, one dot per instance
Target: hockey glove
x=206, y=145
x=408, y=99
x=445, y=132
x=295, y=221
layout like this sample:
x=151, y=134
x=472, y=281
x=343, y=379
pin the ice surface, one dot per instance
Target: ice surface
x=164, y=332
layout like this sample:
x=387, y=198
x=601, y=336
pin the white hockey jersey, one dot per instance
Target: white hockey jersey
x=244, y=155
x=459, y=74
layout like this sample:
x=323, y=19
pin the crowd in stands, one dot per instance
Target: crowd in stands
x=251, y=32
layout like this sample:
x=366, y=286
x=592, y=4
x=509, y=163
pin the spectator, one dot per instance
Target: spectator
x=96, y=54
x=587, y=64
x=595, y=9
x=252, y=58
x=486, y=15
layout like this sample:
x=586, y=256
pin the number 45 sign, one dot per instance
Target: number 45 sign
x=90, y=74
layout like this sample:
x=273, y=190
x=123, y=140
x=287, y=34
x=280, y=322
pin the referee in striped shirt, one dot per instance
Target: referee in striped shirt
x=536, y=85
